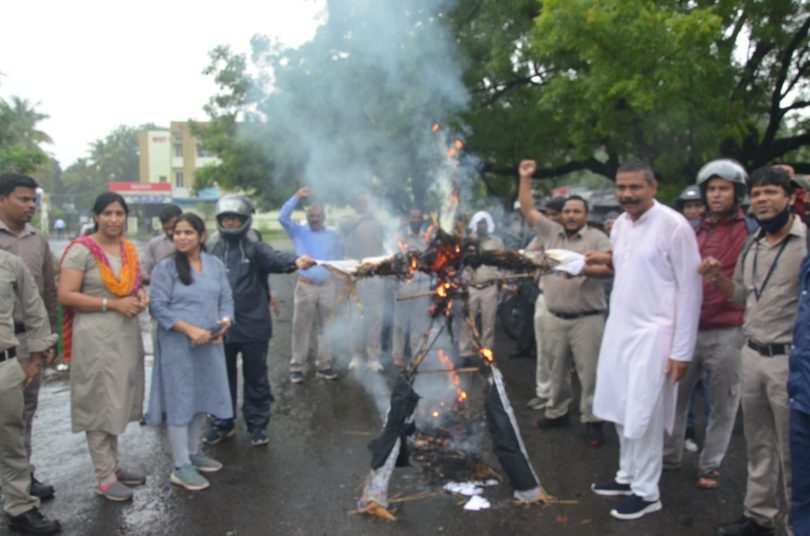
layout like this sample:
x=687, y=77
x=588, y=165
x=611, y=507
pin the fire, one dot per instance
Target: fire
x=435, y=414
x=487, y=354
x=435, y=128
x=452, y=152
x=461, y=394
x=459, y=145
x=428, y=233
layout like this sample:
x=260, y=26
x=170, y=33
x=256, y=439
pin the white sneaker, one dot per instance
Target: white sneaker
x=376, y=366
x=355, y=363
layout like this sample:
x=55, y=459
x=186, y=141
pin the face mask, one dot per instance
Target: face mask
x=416, y=227
x=777, y=222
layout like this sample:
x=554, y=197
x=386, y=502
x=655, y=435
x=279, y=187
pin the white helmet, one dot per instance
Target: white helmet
x=237, y=205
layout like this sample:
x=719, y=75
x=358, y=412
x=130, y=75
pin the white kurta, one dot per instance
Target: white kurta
x=654, y=314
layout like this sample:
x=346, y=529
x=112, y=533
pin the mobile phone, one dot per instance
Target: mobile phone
x=216, y=328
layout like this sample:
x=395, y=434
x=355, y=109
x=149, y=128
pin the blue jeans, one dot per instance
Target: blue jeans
x=800, y=466
x=257, y=395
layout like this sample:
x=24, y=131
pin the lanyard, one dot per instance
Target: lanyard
x=758, y=292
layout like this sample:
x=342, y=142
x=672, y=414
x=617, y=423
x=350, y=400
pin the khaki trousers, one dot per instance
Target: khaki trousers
x=411, y=319
x=485, y=302
x=577, y=338
x=542, y=371
x=103, y=449
x=313, y=308
x=766, y=418
x=717, y=353
x=366, y=322
x=30, y=396
x=15, y=479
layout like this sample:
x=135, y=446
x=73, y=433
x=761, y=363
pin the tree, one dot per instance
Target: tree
x=587, y=84
x=115, y=158
x=20, y=139
x=351, y=110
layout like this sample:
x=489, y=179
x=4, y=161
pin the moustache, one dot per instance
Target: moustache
x=624, y=202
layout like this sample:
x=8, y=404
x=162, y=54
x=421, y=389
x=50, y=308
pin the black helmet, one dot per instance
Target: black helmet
x=726, y=169
x=238, y=205
x=690, y=193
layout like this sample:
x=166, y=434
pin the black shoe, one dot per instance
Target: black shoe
x=593, y=434
x=38, y=489
x=634, y=507
x=544, y=423
x=33, y=522
x=744, y=526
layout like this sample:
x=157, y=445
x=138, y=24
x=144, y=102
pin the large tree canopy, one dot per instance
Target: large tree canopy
x=584, y=84
x=579, y=85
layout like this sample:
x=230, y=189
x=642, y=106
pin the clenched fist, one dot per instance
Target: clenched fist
x=527, y=168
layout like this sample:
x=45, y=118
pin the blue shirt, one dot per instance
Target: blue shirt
x=799, y=376
x=321, y=245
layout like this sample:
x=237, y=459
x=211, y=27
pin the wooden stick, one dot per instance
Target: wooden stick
x=448, y=370
x=501, y=279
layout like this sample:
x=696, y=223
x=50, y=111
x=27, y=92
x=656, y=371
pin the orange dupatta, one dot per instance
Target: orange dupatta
x=127, y=284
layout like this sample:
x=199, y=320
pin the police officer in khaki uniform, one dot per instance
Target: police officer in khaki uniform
x=18, y=285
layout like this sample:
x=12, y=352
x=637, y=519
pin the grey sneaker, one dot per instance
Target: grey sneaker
x=297, y=377
x=204, y=464
x=327, y=374
x=129, y=478
x=259, y=438
x=114, y=491
x=188, y=477
x=537, y=403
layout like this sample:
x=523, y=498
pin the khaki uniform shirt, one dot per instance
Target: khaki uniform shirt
x=156, y=250
x=769, y=318
x=564, y=293
x=484, y=273
x=363, y=235
x=32, y=247
x=18, y=285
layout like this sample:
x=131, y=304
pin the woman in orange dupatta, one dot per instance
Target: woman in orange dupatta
x=100, y=286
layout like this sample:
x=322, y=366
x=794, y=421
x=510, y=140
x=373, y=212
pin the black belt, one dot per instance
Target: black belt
x=19, y=327
x=769, y=350
x=8, y=353
x=573, y=316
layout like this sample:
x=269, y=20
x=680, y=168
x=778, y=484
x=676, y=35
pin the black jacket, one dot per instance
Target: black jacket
x=248, y=263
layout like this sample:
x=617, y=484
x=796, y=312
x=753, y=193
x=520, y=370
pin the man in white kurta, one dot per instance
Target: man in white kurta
x=649, y=336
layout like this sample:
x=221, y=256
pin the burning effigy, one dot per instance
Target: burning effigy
x=445, y=258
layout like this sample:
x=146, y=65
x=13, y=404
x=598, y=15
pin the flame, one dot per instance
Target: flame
x=435, y=128
x=486, y=353
x=461, y=394
x=428, y=233
x=452, y=152
x=435, y=414
x=459, y=145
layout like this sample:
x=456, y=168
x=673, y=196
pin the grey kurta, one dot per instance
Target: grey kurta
x=188, y=379
x=106, y=374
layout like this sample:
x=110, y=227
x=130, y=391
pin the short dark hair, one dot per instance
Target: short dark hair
x=577, y=198
x=10, y=180
x=634, y=166
x=771, y=176
x=168, y=212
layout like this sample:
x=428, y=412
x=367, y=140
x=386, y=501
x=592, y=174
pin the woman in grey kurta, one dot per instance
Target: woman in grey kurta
x=189, y=378
x=107, y=374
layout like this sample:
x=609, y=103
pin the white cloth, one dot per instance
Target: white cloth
x=482, y=215
x=640, y=460
x=654, y=313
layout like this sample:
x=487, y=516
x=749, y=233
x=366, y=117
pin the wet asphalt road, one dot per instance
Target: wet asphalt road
x=310, y=475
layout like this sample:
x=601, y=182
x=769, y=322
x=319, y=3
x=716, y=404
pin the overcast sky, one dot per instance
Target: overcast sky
x=92, y=65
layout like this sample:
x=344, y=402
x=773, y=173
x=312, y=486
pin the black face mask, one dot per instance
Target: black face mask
x=772, y=225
